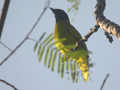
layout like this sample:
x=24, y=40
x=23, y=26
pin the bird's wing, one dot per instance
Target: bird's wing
x=75, y=34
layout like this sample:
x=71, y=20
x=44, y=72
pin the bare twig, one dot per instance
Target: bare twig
x=92, y=30
x=5, y=46
x=104, y=23
x=8, y=84
x=4, y=14
x=104, y=81
x=26, y=38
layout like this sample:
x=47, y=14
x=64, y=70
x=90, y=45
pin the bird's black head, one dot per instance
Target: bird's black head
x=60, y=14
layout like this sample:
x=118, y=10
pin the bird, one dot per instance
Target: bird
x=69, y=41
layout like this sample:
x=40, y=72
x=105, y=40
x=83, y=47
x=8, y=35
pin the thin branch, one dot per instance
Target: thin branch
x=92, y=30
x=5, y=46
x=104, y=81
x=8, y=84
x=27, y=36
x=104, y=23
x=4, y=14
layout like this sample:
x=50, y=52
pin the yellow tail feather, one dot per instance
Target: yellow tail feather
x=83, y=63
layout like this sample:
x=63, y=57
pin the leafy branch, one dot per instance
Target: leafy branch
x=75, y=5
x=52, y=56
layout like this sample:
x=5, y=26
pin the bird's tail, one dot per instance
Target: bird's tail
x=83, y=63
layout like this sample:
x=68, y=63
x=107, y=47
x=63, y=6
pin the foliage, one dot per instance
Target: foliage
x=75, y=5
x=47, y=51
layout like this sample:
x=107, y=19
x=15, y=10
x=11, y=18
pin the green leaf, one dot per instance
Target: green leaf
x=41, y=54
x=75, y=67
x=49, y=41
x=77, y=79
x=72, y=72
x=53, y=43
x=75, y=6
x=54, y=59
x=48, y=38
x=72, y=66
x=50, y=59
x=46, y=56
x=35, y=46
x=42, y=36
x=68, y=64
x=75, y=71
x=45, y=43
x=59, y=63
x=69, y=9
x=63, y=67
x=39, y=50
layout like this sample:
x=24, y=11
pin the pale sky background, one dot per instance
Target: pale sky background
x=23, y=69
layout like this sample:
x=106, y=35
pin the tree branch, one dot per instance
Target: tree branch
x=92, y=30
x=4, y=14
x=27, y=36
x=104, y=23
x=104, y=81
x=8, y=84
x=109, y=27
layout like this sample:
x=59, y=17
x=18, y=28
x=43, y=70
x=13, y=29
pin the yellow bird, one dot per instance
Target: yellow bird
x=69, y=41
